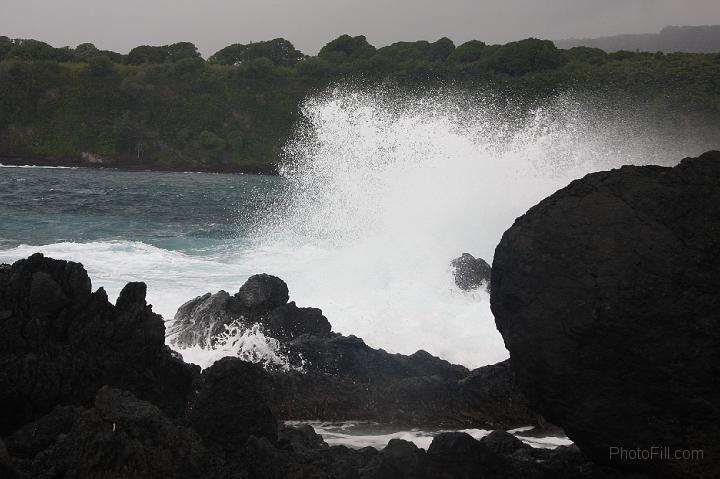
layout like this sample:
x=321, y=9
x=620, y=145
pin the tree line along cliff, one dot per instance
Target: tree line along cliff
x=165, y=107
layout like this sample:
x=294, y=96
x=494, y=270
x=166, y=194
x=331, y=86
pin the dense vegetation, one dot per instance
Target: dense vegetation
x=164, y=107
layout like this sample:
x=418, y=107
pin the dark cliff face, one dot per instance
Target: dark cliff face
x=606, y=294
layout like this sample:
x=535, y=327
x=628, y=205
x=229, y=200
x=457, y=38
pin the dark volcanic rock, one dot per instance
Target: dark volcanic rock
x=265, y=461
x=44, y=432
x=229, y=406
x=123, y=437
x=345, y=378
x=263, y=292
x=7, y=469
x=492, y=397
x=398, y=459
x=218, y=425
x=60, y=343
x=457, y=455
x=302, y=438
x=287, y=322
x=453, y=455
x=262, y=301
x=606, y=294
x=503, y=442
x=200, y=320
x=470, y=272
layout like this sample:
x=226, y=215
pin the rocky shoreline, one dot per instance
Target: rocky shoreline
x=605, y=294
x=89, y=389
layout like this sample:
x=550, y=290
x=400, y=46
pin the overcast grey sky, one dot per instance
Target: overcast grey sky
x=309, y=24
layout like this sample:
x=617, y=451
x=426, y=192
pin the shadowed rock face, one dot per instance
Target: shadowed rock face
x=120, y=436
x=607, y=296
x=230, y=405
x=60, y=343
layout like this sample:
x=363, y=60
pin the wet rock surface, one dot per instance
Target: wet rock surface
x=262, y=300
x=606, y=294
x=229, y=405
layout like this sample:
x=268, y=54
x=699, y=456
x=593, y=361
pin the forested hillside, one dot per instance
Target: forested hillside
x=165, y=107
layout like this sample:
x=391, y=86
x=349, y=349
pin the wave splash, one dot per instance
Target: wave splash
x=247, y=343
x=384, y=190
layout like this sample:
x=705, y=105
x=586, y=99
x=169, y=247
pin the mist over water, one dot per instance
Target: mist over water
x=379, y=191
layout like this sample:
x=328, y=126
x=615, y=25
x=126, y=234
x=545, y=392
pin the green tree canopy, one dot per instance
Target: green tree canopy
x=418, y=51
x=162, y=54
x=181, y=51
x=6, y=45
x=100, y=65
x=85, y=50
x=468, y=52
x=230, y=55
x=146, y=54
x=519, y=58
x=28, y=49
x=346, y=48
x=279, y=51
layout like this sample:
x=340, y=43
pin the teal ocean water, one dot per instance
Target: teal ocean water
x=193, y=213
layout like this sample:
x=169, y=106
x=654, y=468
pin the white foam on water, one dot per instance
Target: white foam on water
x=40, y=166
x=247, y=343
x=359, y=434
x=172, y=277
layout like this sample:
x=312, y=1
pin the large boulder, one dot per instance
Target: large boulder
x=606, y=294
x=61, y=342
x=399, y=459
x=263, y=292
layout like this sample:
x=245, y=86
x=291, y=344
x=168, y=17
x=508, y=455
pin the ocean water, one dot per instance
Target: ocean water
x=378, y=193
